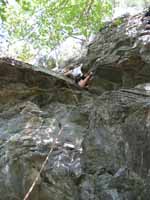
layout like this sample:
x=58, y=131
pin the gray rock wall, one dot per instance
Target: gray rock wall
x=119, y=55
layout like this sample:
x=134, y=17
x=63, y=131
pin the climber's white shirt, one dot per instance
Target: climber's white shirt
x=77, y=71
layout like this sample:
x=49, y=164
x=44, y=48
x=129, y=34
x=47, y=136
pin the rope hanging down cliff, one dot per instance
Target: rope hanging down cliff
x=49, y=153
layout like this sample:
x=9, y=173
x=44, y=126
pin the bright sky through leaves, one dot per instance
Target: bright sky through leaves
x=44, y=24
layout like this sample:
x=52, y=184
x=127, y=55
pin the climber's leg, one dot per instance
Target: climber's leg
x=84, y=82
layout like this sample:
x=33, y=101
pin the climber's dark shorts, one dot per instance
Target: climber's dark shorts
x=78, y=78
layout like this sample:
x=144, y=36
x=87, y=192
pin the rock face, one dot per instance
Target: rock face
x=119, y=55
x=98, y=141
x=34, y=106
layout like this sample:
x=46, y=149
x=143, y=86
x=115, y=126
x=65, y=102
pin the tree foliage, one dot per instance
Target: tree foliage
x=45, y=23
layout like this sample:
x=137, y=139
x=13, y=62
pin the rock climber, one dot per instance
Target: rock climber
x=81, y=79
x=146, y=19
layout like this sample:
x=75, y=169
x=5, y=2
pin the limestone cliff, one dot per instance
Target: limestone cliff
x=102, y=152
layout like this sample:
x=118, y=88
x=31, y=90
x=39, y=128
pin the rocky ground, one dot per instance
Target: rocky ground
x=103, y=150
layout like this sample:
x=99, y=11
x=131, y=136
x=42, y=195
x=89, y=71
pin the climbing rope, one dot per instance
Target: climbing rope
x=49, y=153
x=43, y=165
